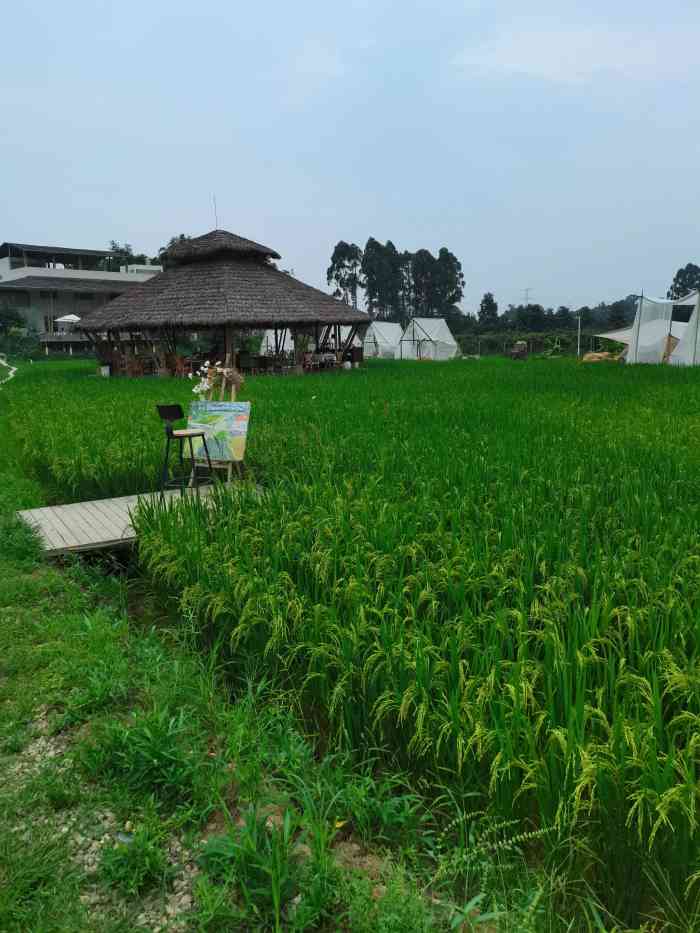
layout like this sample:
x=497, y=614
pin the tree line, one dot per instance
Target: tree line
x=397, y=285
x=123, y=254
x=535, y=318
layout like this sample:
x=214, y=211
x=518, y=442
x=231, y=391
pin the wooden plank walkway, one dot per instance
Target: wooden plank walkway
x=89, y=526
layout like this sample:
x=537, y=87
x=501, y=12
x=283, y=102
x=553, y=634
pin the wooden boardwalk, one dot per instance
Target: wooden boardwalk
x=89, y=526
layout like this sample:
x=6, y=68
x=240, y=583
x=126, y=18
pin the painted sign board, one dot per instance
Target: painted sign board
x=225, y=426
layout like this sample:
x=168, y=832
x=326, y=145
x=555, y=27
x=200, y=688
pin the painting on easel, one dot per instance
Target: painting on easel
x=225, y=426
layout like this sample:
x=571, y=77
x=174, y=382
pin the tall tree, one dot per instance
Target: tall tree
x=424, y=281
x=381, y=270
x=530, y=317
x=563, y=318
x=448, y=286
x=488, y=312
x=406, y=290
x=345, y=271
x=618, y=313
x=124, y=255
x=372, y=272
x=391, y=293
x=685, y=280
x=178, y=238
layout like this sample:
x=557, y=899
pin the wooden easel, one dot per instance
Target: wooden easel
x=230, y=384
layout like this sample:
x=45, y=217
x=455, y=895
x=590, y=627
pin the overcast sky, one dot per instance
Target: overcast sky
x=551, y=145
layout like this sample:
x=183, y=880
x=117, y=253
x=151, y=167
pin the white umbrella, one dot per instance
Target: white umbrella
x=68, y=319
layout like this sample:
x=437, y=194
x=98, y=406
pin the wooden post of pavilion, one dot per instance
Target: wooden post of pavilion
x=230, y=364
x=229, y=347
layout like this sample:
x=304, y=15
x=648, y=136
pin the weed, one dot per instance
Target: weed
x=154, y=752
x=13, y=738
x=397, y=907
x=259, y=859
x=61, y=789
x=136, y=863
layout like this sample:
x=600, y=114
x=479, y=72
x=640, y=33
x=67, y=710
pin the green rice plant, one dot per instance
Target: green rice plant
x=491, y=573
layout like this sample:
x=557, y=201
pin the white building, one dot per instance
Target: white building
x=44, y=283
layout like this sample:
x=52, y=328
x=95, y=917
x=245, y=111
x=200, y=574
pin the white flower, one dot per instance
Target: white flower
x=218, y=364
x=190, y=375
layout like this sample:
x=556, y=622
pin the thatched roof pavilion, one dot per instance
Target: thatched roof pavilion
x=224, y=281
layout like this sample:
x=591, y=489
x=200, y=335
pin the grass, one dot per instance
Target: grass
x=458, y=624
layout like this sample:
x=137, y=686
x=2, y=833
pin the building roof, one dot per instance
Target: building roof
x=215, y=243
x=50, y=283
x=222, y=279
x=7, y=248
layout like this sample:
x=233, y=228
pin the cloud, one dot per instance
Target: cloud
x=312, y=67
x=316, y=60
x=573, y=55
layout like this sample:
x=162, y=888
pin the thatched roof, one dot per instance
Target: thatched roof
x=221, y=279
x=216, y=243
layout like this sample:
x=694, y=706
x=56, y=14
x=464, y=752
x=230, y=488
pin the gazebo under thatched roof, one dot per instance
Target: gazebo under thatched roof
x=222, y=280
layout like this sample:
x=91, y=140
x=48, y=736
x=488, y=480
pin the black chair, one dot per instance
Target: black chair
x=170, y=414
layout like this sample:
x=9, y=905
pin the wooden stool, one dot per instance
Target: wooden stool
x=169, y=414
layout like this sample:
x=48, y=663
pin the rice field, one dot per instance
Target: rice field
x=488, y=570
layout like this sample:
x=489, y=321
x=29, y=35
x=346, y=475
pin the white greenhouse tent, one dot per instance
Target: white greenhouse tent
x=428, y=338
x=383, y=340
x=286, y=343
x=655, y=337
x=345, y=333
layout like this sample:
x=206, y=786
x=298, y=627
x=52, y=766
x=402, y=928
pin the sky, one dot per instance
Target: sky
x=552, y=146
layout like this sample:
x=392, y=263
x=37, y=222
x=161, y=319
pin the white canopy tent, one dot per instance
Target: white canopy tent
x=655, y=337
x=383, y=339
x=428, y=338
x=687, y=352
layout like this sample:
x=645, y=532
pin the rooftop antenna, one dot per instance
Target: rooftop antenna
x=216, y=216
